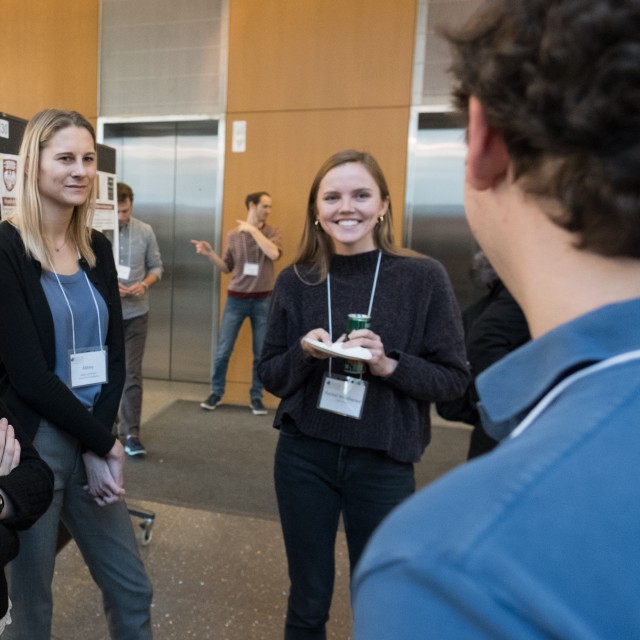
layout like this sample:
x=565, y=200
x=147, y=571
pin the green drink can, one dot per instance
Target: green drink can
x=356, y=321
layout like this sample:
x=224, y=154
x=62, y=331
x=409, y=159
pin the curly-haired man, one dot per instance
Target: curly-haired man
x=539, y=538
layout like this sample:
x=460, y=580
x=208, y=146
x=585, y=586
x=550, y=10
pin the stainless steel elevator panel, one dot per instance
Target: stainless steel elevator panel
x=172, y=168
x=435, y=223
x=194, y=313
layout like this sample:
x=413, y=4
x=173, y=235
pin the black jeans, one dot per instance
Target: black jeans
x=317, y=481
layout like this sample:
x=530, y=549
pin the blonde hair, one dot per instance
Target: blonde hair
x=28, y=212
x=316, y=249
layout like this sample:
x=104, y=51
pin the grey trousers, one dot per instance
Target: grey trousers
x=105, y=538
x=135, y=337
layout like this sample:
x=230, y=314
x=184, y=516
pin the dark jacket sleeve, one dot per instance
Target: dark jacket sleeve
x=28, y=384
x=29, y=486
x=499, y=328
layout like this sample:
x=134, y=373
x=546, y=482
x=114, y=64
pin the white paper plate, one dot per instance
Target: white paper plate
x=354, y=353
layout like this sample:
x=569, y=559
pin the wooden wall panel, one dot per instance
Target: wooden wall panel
x=312, y=77
x=320, y=54
x=285, y=150
x=49, y=53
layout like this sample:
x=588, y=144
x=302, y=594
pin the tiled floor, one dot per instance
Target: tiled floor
x=215, y=575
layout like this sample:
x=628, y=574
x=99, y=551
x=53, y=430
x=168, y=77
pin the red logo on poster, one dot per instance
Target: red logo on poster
x=9, y=173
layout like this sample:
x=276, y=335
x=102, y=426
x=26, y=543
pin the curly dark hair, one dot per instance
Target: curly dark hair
x=561, y=80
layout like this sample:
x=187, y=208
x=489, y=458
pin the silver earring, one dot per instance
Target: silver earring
x=316, y=223
x=380, y=219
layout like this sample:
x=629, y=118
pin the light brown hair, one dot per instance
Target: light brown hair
x=316, y=248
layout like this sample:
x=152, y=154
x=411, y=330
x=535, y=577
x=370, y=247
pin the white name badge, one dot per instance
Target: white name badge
x=251, y=268
x=124, y=272
x=343, y=395
x=88, y=366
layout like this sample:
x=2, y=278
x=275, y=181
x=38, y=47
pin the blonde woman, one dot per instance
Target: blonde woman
x=61, y=374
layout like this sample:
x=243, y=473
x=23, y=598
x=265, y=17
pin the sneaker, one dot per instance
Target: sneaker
x=211, y=402
x=258, y=408
x=133, y=447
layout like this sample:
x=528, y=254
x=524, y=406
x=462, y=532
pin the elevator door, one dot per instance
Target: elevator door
x=172, y=168
x=435, y=223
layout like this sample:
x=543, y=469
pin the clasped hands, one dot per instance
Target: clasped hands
x=105, y=479
x=136, y=290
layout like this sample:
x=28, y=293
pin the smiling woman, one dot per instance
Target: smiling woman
x=62, y=371
x=349, y=206
x=348, y=442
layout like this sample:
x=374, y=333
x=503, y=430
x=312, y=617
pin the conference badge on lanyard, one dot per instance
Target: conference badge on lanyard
x=343, y=395
x=88, y=366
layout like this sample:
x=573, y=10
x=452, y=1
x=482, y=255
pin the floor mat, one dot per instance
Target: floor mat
x=222, y=460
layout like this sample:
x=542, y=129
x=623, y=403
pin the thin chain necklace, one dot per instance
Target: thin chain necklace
x=64, y=242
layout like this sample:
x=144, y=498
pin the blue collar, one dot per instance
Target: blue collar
x=511, y=387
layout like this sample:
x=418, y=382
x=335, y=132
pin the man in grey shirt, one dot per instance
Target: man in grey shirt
x=139, y=268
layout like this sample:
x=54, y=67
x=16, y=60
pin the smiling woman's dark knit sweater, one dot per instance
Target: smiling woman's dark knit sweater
x=417, y=317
